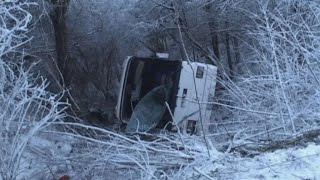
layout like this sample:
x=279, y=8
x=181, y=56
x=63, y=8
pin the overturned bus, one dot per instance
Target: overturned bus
x=163, y=93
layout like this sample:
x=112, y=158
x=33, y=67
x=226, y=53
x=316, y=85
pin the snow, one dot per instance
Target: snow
x=40, y=159
x=302, y=163
x=293, y=163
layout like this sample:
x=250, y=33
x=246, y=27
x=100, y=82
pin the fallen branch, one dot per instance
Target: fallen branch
x=292, y=141
x=202, y=173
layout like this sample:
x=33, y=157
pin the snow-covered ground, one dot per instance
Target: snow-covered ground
x=50, y=159
x=292, y=163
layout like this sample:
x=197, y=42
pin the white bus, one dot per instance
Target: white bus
x=147, y=83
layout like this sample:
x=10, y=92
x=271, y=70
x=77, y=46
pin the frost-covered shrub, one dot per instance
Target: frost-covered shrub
x=279, y=94
x=25, y=105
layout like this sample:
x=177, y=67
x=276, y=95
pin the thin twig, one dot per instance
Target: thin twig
x=195, y=85
x=174, y=123
x=202, y=173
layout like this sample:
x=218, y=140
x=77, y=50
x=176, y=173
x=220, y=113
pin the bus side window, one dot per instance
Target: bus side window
x=200, y=72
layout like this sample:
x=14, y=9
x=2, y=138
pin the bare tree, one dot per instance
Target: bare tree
x=58, y=19
x=273, y=100
x=26, y=105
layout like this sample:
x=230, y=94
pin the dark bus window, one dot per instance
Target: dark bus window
x=200, y=72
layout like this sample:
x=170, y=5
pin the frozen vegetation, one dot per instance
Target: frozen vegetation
x=266, y=124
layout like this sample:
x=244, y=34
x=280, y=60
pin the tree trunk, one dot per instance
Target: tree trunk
x=60, y=29
x=237, y=54
x=214, y=39
x=229, y=55
x=237, y=49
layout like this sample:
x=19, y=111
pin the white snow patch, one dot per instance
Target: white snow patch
x=40, y=159
x=292, y=163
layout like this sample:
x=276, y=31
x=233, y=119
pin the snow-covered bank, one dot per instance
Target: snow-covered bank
x=292, y=163
x=78, y=158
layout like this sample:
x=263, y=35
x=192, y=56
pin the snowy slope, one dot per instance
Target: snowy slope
x=54, y=157
x=293, y=163
x=302, y=163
